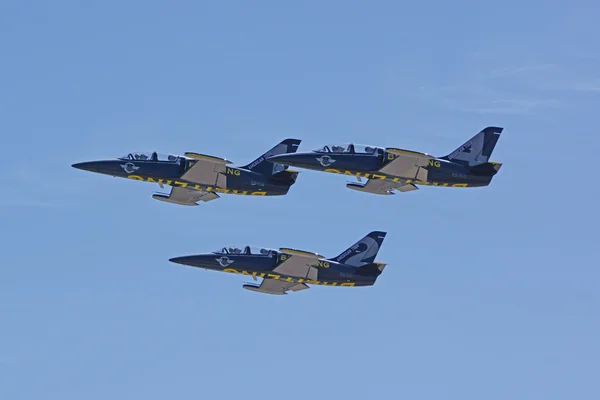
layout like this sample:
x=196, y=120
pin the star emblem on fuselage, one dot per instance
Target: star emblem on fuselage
x=325, y=160
x=129, y=167
x=224, y=261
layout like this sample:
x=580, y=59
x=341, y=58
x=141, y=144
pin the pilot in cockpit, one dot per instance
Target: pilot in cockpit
x=337, y=149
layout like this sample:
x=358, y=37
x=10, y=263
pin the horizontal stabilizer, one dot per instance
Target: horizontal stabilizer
x=488, y=168
x=373, y=269
x=380, y=266
x=287, y=177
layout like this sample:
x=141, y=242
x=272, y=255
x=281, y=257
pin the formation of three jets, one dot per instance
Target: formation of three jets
x=197, y=177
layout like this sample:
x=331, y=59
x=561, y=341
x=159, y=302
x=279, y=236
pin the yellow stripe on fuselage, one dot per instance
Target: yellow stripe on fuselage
x=288, y=278
x=194, y=186
x=390, y=178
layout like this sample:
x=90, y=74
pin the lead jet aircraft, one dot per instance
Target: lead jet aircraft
x=389, y=169
x=287, y=269
x=196, y=177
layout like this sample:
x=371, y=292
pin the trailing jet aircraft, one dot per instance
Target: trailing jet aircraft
x=196, y=177
x=287, y=269
x=389, y=169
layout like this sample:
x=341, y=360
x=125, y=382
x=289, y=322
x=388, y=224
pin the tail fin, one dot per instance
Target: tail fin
x=362, y=252
x=478, y=149
x=266, y=168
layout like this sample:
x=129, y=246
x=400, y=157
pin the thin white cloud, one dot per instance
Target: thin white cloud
x=513, y=88
x=480, y=98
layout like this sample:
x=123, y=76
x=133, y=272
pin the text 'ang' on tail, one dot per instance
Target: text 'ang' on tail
x=266, y=168
x=362, y=252
x=476, y=150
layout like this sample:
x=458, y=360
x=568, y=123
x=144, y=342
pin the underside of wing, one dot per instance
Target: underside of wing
x=275, y=286
x=206, y=170
x=185, y=196
x=378, y=186
x=298, y=263
x=407, y=164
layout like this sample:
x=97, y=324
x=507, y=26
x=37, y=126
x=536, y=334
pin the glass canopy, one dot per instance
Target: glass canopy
x=143, y=156
x=246, y=250
x=348, y=148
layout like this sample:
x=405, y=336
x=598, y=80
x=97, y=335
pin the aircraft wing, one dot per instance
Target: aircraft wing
x=275, y=286
x=207, y=170
x=378, y=186
x=407, y=164
x=298, y=263
x=185, y=196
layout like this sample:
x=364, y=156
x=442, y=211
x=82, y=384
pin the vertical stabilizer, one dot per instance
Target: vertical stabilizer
x=478, y=149
x=362, y=252
x=266, y=168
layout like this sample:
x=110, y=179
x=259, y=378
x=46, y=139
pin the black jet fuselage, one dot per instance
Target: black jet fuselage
x=239, y=180
x=441, y=172
x=330, y=273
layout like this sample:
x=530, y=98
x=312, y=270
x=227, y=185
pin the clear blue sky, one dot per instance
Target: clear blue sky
x=489, y=293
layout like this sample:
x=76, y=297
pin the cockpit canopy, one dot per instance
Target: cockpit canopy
x=348, y=148
x=246, y=250
x=140, y=156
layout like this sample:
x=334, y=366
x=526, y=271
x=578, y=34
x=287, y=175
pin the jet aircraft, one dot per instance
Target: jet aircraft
x=196, y=177
x=389, y=169
x=288, y=269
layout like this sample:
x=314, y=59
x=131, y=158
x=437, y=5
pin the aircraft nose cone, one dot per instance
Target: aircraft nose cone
x=86, y=166
x=199, y=260
x=176, y=260
x=181, y=260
